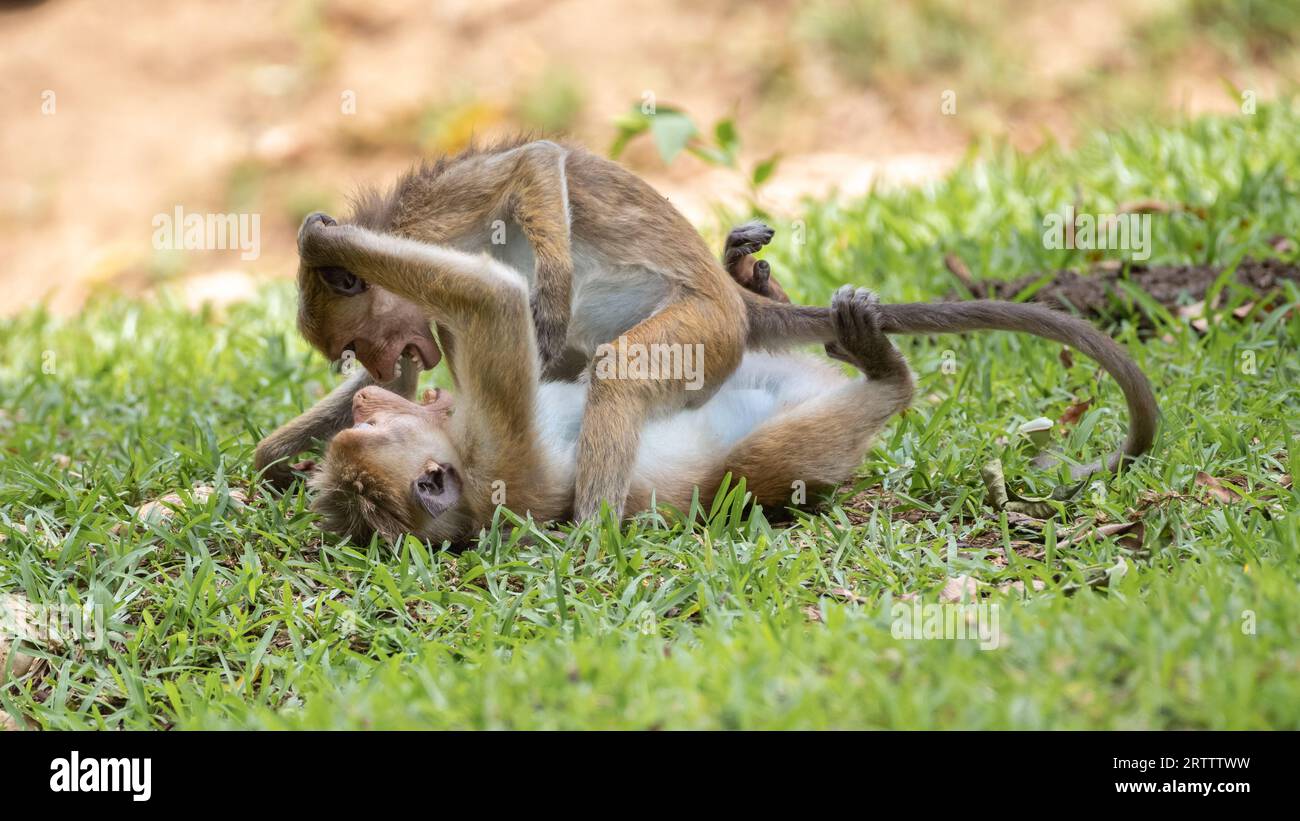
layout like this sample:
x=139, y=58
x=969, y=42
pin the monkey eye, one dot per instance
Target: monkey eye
x=341, y=281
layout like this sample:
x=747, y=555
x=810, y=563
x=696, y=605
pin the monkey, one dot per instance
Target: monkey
x=439, y=467
x=605, y=257
x=435, y=469
x=775, y=325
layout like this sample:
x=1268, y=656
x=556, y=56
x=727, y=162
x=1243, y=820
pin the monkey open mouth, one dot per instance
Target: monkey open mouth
x=423, y=351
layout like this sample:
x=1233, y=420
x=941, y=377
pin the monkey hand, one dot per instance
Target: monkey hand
x=746, y=240
x=738, y=257
x=279, y=473
x=323, y=242
x=855, y=316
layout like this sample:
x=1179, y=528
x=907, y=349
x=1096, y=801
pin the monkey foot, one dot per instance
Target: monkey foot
x=750, y=273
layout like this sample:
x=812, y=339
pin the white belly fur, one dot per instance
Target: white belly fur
x=765, y=384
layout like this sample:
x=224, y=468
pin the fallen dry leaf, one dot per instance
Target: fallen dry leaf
x=1017, y=519
x=1067, y=358
x=162, y=510
x=847, y=595
x=959, y=587
x=1075, y=412
x=1220, y=490
x=1130, y=534
x=1148, y=207
x=958, y=268
x=1019, y=586
x=812, y=613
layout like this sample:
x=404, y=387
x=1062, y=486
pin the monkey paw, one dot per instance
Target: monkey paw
x=312, y=237
x=859, y=341
x=746, y=240
x=738, y=258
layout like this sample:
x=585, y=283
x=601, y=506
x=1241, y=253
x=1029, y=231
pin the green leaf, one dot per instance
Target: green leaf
x=765, y=169
x=672, y=130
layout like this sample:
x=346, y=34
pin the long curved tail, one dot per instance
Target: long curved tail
x=775, y=324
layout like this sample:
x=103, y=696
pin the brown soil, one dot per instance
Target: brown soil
x=234, y=105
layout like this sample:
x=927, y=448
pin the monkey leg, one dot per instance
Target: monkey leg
x=619, y=399
x=821, y=442
x=817, y=444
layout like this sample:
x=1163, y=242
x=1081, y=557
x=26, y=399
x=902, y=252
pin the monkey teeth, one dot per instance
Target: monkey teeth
x=414, y=353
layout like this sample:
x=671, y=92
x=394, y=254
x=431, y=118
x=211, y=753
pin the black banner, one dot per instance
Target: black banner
x=144, y=772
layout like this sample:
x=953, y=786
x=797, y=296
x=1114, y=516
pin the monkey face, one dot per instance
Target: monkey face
x=394, y=471
x=338, y=312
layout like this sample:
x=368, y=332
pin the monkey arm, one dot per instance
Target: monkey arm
x=539, y=204
x=480, y=302
x=327, y=417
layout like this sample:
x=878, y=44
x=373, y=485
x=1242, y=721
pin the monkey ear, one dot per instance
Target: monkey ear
x=437, y=489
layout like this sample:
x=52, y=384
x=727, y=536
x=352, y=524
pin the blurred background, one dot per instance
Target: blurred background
x=116, y=112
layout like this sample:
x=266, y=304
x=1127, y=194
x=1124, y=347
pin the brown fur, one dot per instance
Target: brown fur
x=613, y=212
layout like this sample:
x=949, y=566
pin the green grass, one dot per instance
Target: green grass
x=231, y=616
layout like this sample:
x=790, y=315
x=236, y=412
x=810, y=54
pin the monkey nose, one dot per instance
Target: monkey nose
x=360, y=409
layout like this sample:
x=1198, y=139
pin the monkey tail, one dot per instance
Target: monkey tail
x=991, y=315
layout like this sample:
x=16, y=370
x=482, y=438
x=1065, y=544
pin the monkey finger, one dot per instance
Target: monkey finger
x=836, y=351
x=736, y=253
x=753, y=231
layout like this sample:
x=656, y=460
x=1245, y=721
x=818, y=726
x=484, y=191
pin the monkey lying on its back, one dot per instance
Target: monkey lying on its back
x=438, y=469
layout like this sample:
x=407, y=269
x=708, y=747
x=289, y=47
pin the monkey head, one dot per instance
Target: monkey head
x=340, y=312
x=395, y=471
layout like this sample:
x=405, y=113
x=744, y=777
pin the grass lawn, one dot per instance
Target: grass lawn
x=242, y=615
